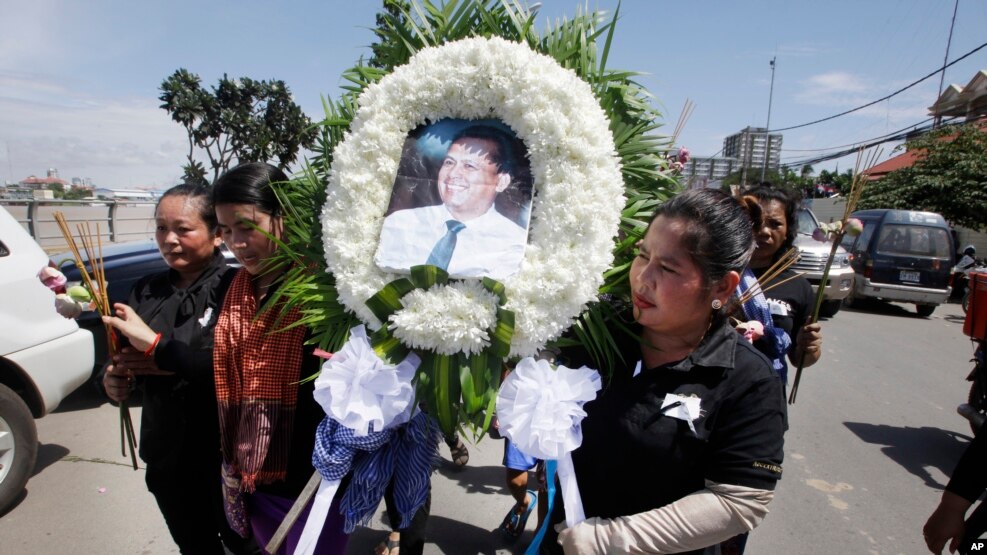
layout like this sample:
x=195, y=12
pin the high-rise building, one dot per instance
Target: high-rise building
x=712, y=168
x=751, y=145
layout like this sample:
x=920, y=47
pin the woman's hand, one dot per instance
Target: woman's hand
x=946, y=523
x=809, y=345
x=130, y=324
x=134, y=363
x=117, y=383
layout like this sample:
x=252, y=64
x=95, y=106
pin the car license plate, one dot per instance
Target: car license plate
x=909, y=276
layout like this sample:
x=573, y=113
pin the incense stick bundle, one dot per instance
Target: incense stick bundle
x=683, y=118
x=784, y=262
x=95, y=281
x=856, y=189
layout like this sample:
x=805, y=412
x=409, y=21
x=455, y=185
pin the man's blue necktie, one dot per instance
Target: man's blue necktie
x=442, y=251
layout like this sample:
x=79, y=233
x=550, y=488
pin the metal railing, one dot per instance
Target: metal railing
x=118, y=221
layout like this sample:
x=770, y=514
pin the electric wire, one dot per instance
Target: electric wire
x=863, y=145
x=895, y=93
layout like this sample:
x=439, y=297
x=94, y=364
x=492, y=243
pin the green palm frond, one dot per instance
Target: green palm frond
x=581, y=43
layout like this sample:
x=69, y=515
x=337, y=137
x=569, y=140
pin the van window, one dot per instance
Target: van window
x=913, y=240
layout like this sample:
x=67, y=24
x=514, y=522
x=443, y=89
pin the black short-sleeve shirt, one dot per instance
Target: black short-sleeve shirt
x=790, y=302
x=635, y=458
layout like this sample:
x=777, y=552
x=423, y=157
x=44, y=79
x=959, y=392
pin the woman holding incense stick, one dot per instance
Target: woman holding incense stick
x=267, y=419
x=787, y=297
x=168, y=322
x=682, y=449
x=778, y=298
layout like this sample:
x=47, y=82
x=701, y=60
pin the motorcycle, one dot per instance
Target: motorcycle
x=959, y=280
x=975, y=409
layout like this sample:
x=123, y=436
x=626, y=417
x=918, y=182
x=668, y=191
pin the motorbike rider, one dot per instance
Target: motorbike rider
x=966, y=261
x=959, y=279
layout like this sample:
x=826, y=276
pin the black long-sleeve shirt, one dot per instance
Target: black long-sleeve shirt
x=179, y=422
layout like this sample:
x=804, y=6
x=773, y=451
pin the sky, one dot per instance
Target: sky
x=79, y=80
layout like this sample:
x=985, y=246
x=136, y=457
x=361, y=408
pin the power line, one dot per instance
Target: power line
x=897, y=92
x=855, y=144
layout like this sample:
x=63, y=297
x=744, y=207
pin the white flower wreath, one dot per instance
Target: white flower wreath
x=576, y=174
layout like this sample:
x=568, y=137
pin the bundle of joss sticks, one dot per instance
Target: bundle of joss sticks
x=94, y=279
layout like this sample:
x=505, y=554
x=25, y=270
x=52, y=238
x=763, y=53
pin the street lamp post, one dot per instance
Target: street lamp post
x=767, y=126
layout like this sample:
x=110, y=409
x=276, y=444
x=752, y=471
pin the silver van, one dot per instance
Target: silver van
x=902, y=256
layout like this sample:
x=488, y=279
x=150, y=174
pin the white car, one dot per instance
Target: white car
x=812, y=261
x=43, y=356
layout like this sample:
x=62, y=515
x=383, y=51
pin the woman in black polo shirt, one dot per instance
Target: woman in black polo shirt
x=682, y=450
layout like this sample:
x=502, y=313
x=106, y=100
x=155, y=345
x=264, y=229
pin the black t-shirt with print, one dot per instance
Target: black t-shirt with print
x=790, y=302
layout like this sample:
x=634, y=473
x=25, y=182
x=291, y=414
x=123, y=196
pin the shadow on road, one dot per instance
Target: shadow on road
x=954, y=318
x=89, y=396
x=872, y=306
x=915, y=449
x=48, y=454
x=448, y=535
x=477, y=479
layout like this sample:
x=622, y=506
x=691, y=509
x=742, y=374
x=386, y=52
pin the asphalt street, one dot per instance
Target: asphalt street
x=874, y=435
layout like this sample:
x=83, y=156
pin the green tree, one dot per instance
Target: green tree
x=58, y=190
x=839, y=181
x=240, y=120
x=783, y=178
x=77, y=193
x=949, y=177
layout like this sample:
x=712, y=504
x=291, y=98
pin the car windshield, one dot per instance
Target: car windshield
x=913, y=240
x=807, y=222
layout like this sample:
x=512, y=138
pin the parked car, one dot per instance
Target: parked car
x=903, y=256
x=43, y=356
x=124, y=264
x=812, y=261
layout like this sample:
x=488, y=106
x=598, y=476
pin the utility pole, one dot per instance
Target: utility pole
x=945, y=60
x=767, y=126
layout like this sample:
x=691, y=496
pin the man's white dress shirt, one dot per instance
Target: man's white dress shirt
x=490, y=245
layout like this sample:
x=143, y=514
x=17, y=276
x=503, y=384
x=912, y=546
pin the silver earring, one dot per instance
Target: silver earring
x=717, y=304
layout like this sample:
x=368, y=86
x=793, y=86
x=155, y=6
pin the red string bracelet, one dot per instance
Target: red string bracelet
x=154, y=344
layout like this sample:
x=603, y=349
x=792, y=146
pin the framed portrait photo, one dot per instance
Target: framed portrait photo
x=461, y=201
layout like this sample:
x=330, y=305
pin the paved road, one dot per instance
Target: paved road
x=873, y=437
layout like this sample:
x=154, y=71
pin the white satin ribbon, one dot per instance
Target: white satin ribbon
x=317, y=517
x=540, y=409
x=573, y=503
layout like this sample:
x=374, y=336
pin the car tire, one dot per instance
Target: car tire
x=925, y=310
x=18, y=446
x=850, y=301
x=828, y=309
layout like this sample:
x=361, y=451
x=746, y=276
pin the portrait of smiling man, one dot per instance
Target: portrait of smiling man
x=465, y=235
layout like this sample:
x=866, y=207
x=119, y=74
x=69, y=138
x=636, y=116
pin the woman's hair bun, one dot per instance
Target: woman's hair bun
x=752, y=206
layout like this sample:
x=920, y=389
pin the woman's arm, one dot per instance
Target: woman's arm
x=704, y=518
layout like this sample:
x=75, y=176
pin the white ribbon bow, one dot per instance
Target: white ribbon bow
x=540, y=409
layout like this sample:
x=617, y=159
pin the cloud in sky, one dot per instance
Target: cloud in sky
x=46, y=123
x=835, y=88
